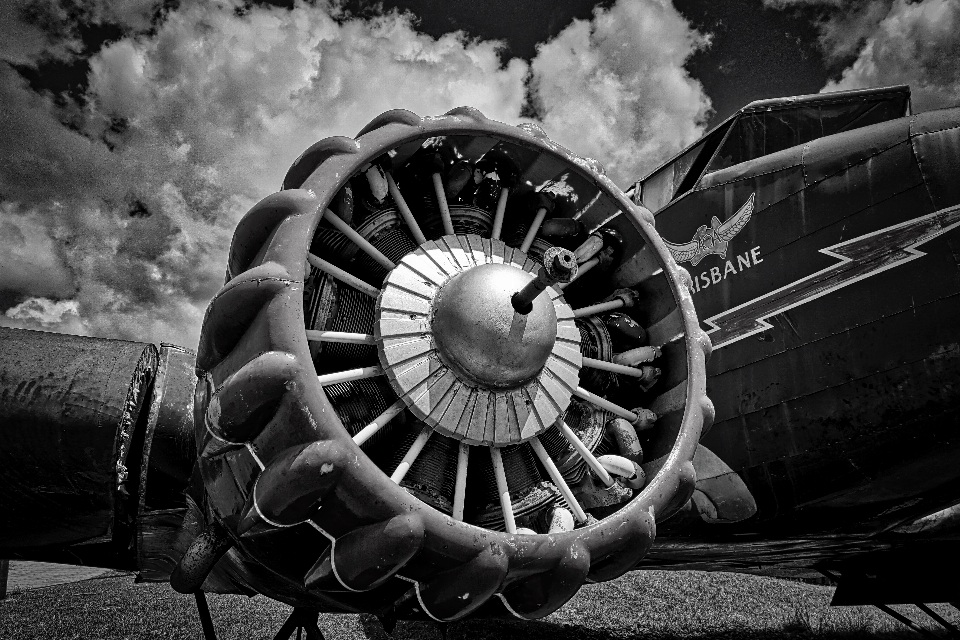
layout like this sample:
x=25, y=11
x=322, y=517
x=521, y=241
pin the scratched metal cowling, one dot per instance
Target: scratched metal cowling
x=318, y=520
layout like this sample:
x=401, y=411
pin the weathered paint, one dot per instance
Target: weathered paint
x=837, y=353
x=69, y=438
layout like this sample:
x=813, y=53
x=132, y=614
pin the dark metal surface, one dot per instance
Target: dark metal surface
x=206, y=622
x=200, y=557
x=168, y=456
x=4, y=574
x=169, y=451
x=835, y=397
x=69, y=437
x=836, y=362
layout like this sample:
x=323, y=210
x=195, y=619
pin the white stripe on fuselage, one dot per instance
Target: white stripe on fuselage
x=860, y=258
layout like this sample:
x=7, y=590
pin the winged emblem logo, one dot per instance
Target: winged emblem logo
x=713, y=239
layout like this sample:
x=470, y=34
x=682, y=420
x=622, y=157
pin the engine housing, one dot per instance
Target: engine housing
x=378, y=430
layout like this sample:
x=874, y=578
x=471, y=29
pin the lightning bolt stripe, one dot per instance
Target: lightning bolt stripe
x=860, y=258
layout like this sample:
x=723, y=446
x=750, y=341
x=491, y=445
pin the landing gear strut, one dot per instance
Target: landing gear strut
x=206, y=622
x=303, y=620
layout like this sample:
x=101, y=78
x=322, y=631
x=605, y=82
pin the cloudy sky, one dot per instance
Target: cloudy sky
x=134, y=134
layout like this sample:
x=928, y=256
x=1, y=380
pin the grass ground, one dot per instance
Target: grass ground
x=652, y=605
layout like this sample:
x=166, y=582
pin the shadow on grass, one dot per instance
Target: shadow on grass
x=653, y=607
x=540, y=630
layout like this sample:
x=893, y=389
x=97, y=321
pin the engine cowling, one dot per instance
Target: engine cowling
x=384, y=426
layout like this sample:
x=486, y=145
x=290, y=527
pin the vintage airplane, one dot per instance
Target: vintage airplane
x=454, y=371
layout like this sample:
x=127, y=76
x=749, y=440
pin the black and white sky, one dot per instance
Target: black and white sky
x=134, y=134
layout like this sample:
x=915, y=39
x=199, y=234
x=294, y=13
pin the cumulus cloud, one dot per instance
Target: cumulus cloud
x=893, y=42
x=30, y=261
x=34, y=29
x=915, y=44
x=615, y=88
x=117, y=210
x=44, y=313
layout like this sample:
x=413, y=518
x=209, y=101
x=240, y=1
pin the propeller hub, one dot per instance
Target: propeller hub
x=479, y=333
x=461, y=357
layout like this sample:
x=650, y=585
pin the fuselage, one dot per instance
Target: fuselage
x=826, y=274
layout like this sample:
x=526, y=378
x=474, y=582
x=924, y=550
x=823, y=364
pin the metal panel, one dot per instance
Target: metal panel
x=68, y=409
x=935, y=137
x=169, y=450
x=831, y=155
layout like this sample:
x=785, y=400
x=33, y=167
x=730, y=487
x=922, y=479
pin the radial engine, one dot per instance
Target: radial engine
x=453, y=370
